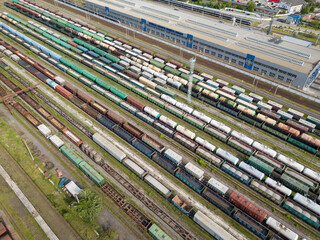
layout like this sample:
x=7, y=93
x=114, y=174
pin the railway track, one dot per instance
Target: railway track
x=164, y=217
x=241, y=153
x=176, y=53
x=51, y=104
x=249, y=192
x=130, y=209
x=149, y=203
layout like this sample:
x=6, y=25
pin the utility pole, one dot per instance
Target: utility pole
x=192, y=62
x=270, y=26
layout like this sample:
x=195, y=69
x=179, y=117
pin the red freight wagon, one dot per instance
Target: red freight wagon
x=248, y=207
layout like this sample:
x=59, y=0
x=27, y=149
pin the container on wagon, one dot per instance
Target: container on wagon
x=173, y=156
x=44, y=130
x=158, y=186
x=109, y=147
x=218, y=186
x=135, y=168
x=56, y=141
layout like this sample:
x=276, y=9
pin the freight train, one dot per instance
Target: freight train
x=153, y=229
x=240, y=109
x=193, y=145
x=210, y=197
x=240, y=145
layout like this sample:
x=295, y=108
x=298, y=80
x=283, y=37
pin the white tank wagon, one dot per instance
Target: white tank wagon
x=278, y=186
x=282, y=229
x=308, y=203
x=312, y=174
x=220, y=126
x=291, y=163
x=242, y=137
x=264, y=149
x=168, y=99
x=186, y=132
x=201, y=116
x=168, y=121
x=228, y=156
x=205, y=144
x=251, y=170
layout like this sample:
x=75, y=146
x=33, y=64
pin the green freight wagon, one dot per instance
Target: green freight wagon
x=294, y=184
x=91, y=173
x=194, y=121
x=156, y=101
x=305, y=215
x=186, y=77
x=118, y=93
x=175, y=111
x=112, y=58
x=74, y=158
x=103, y=84
x=314, y=121
x=166, y=91
x=100, y=52
x=249, y=120
x=89, y=75
x=302, y=145
x=260, y=165
x=157, y=233
x=157, y=64
x=66, y=61
x=171, y=70
x=275, y=132
x=140, y=92
x=77, y=68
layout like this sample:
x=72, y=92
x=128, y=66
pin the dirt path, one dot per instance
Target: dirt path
x=53, y=218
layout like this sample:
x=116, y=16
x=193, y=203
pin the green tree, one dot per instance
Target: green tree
x=251, y=6
x=89, y=206
x=305, y=9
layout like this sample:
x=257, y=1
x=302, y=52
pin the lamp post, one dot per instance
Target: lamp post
x=192, y=62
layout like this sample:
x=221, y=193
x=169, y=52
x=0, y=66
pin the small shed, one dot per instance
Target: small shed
x=73, y=189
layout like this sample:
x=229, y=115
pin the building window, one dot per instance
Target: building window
x=226, y=58
x=289, y=80
x=233, y=60
x=201, y=49
x=240, y=63
x=213, y=53
x=264, y=72
x=162, y=35
x=219, y=55
x=207, y=51
x=255, y=69
x=280, y=77
x=271, y=74
x=195, y=47
x=178, y=40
